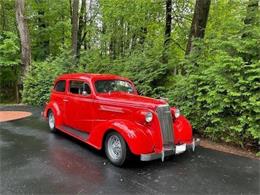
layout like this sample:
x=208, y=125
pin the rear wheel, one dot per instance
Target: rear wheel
x=116, y=148
x=51, y=121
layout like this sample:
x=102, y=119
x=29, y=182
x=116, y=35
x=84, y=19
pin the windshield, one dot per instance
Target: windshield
x=108, y=86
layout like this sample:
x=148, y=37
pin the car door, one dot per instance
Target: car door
x=78, y=107
x=58, y=94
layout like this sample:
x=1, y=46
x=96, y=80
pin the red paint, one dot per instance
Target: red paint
x=98, y=113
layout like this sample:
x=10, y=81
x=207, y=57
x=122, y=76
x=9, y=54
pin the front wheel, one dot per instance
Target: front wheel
x=116, y=148
x=51, y=121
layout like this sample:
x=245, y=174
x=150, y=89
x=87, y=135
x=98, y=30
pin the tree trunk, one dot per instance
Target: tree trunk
x=133, y=43
x=4, y=18
x=71, y=12
x=63, y=31
x=24, y=36
x=121, y=43
x=250, y=20
x=103, y=42
x=199, y=22
x=44, y=42
x=143, y=35
x=82, y=26
x=112, y=48
x=252, y=9
x=168, y=29
x=75, y=27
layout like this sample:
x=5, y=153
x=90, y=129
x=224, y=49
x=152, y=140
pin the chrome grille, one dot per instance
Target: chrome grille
x=165, y=118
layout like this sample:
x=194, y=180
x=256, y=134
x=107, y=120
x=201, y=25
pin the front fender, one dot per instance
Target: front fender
x=182, y=130
x=137, y=136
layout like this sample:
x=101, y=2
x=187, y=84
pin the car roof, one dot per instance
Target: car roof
x=89, y=76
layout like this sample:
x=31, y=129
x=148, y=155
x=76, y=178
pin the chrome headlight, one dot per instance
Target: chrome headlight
x=148, y=117
x=177, y=113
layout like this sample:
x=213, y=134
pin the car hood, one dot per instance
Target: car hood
x=131, y=99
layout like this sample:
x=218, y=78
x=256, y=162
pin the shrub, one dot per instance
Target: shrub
x=220, y=93
x=38, y=82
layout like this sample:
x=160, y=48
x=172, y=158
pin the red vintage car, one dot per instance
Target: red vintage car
x=106, y=112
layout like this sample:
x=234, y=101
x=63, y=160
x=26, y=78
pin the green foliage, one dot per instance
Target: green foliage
x=220, y=92
x=9, y=61
x=39, y=81
x=9, y=49
x=148, y=74
x=49, y=25
x=221, y=101
x=144, y=69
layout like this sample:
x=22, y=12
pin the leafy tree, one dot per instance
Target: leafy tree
x=221, y=94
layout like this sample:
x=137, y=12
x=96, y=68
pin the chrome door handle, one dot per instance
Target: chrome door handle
x=65, y=100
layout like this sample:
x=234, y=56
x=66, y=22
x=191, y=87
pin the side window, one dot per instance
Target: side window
x=60, y=86
x=79, y=87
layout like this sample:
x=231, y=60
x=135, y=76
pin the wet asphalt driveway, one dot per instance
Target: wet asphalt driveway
x=35, y=161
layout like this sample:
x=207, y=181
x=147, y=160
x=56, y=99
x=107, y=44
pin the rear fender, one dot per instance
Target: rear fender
x=53, y=106
x=137, y=136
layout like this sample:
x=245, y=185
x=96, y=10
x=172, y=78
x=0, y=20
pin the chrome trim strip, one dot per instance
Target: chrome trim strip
x=111, y=109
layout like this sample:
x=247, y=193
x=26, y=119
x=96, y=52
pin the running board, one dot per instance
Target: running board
x=77, y=133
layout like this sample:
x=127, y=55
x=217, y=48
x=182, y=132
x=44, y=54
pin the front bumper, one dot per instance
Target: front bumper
x=169, y=152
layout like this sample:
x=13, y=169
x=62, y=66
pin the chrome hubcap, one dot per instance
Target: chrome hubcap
x=114, y=147
x=51, y=121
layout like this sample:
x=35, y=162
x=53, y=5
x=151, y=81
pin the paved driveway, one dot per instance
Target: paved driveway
x=35, y=161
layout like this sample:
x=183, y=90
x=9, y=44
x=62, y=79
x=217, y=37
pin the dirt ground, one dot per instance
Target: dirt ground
x=13, y=115
x=223, y=147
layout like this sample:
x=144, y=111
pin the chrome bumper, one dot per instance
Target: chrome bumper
x=162, y=155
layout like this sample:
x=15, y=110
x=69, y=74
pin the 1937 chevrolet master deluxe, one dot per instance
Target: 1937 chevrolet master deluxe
x=106, y=111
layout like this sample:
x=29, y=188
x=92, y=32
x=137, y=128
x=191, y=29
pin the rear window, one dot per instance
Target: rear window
x=60, y=86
